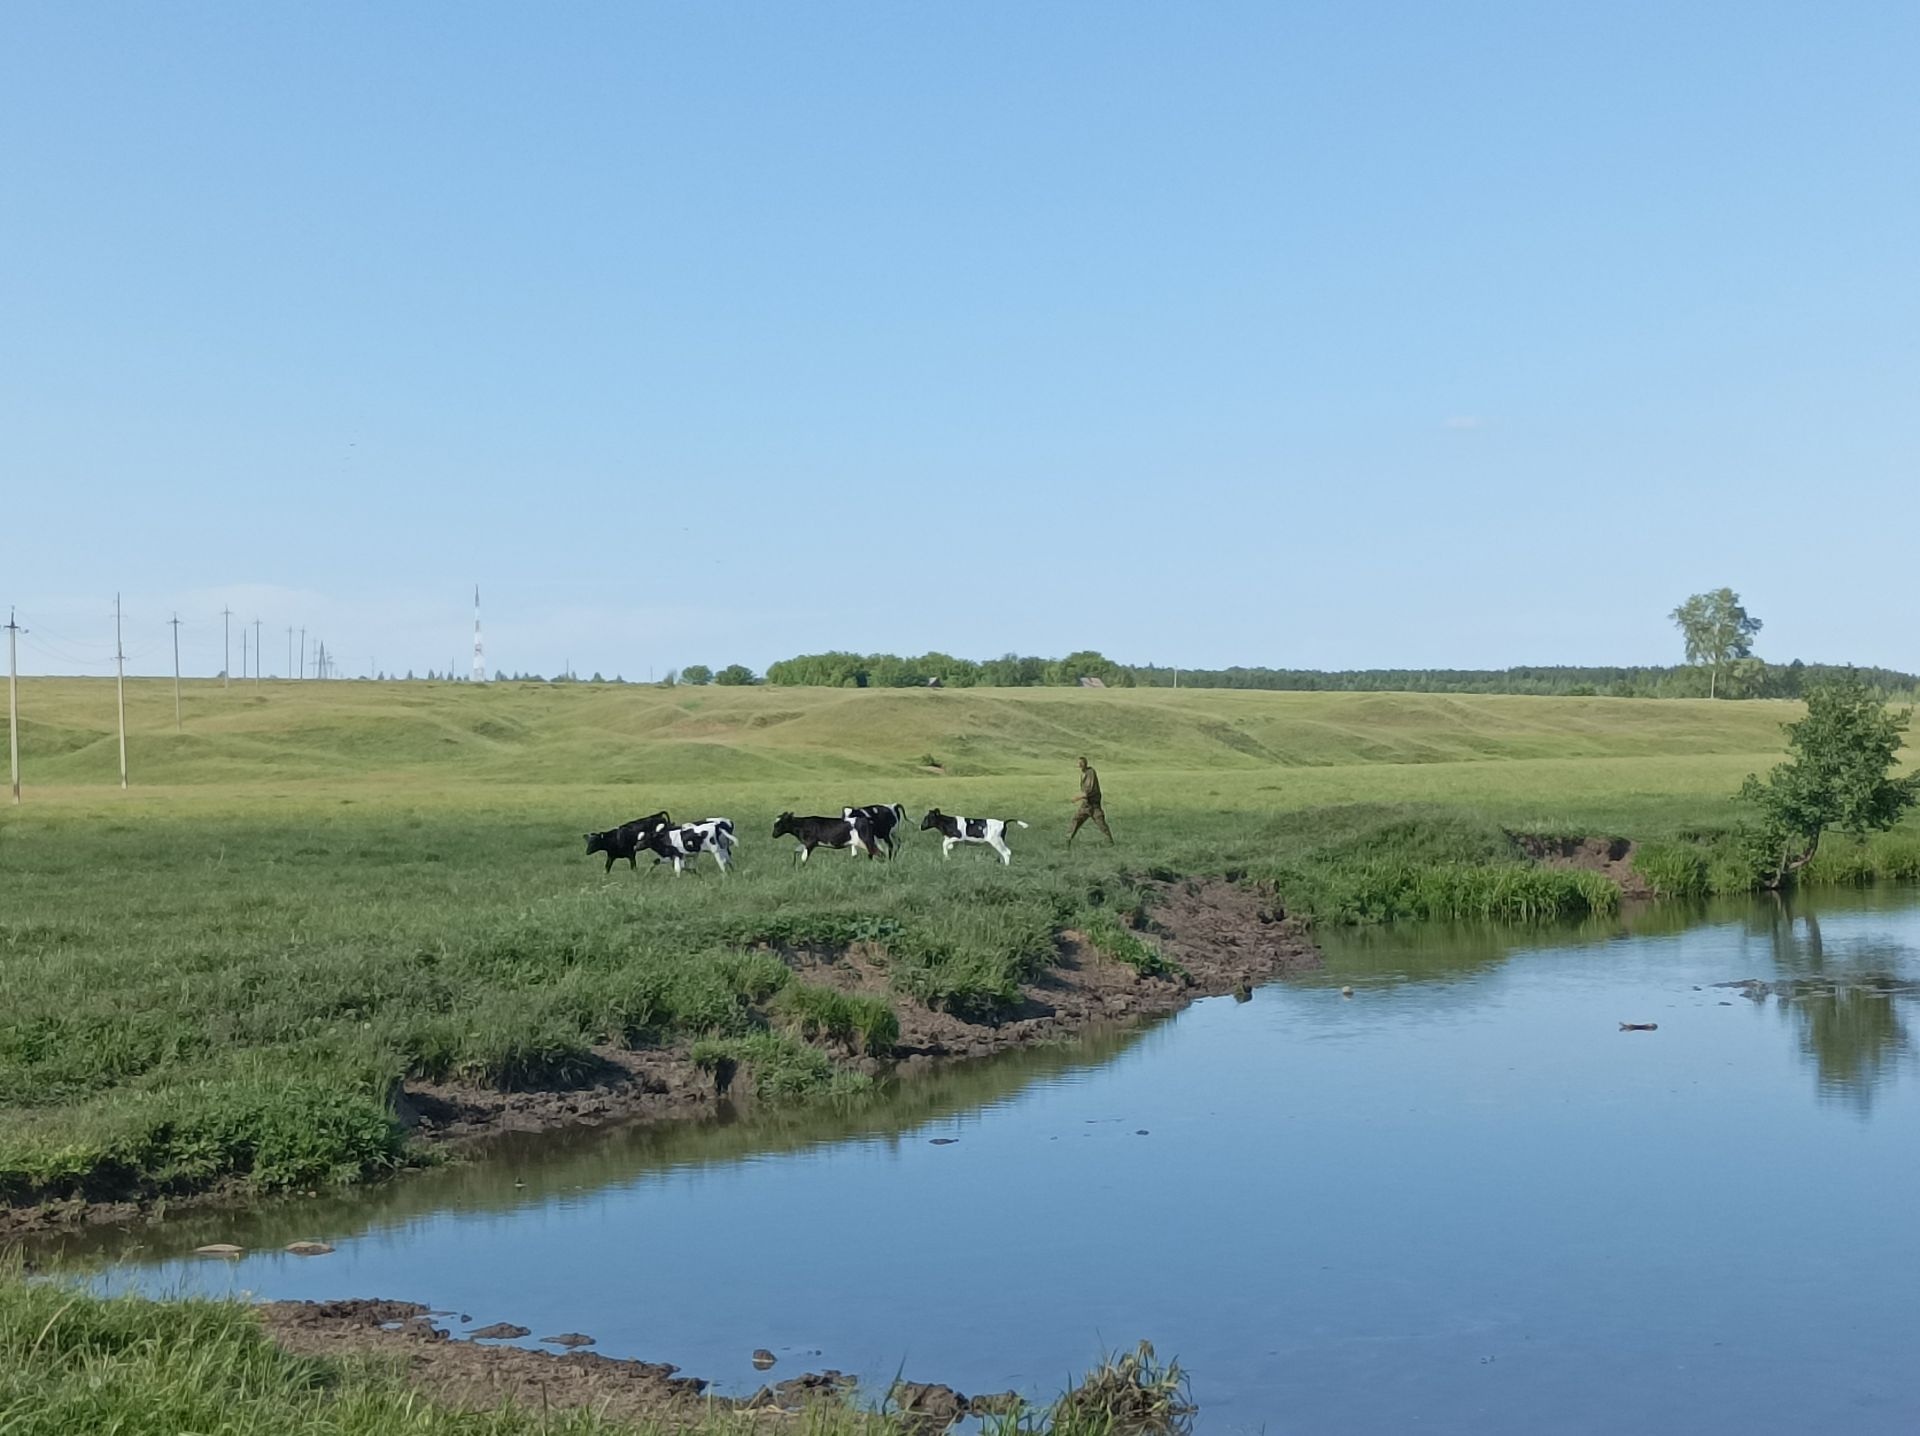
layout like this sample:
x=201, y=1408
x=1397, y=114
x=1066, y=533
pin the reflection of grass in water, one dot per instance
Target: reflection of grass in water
x=523, y=1170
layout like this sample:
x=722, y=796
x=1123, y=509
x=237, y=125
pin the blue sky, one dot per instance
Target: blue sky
x=1328, y=335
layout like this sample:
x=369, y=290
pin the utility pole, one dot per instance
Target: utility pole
x=176, y=672
x=14, y=630
x=289, y=650
x=303, y=652
x=120, y=683
x=256, y=653
x=226, y=649
x=243, y=653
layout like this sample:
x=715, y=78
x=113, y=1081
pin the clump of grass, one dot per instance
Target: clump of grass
x=754, y=976
x=1674, y=870
x=860, y=1022
x=1105, y=932
x=270, y=1134
x=1133, y=1392
x=1388, y=891
x=1856, y=862
x=782, y=1067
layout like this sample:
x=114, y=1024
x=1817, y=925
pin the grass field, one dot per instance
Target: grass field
x=317, y=891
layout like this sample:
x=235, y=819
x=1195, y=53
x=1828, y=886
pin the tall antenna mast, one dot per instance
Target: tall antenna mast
x=479, y=652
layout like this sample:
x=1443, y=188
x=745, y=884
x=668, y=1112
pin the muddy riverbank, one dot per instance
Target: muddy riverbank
x=1223, y=937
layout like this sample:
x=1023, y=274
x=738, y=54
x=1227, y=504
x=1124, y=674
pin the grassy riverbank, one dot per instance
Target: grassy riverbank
x=71, y=1361
x=332, y=889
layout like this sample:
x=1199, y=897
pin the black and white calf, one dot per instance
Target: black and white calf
x=681, y=845
x=888, y=821
x=628, y=839
x=991, y=831
x=853, y=832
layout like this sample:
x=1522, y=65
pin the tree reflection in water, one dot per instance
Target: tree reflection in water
x=1848, y=1017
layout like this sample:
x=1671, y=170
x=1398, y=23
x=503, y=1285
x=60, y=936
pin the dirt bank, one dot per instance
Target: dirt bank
x=477, y=1377
x=1610, y=857
x=1225, y=937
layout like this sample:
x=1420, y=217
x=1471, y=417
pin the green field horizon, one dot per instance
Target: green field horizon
x=1539, y=760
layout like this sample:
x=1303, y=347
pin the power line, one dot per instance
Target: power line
x=176, y=673
x=120, y=685
x=13, y=705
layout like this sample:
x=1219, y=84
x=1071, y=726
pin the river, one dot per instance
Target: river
x=1460, y=1200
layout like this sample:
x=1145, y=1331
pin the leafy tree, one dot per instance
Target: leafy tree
x=1717, y=631
x=734, y=675
x=696, y=673
x=1839, y=775
x=820, y=670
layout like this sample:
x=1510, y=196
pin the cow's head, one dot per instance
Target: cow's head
x=932, y=820
x=597, y=842
x=785, y=824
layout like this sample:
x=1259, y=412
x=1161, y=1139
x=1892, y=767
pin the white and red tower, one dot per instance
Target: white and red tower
x=479, y=652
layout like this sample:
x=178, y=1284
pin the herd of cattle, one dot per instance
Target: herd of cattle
x=869, y=830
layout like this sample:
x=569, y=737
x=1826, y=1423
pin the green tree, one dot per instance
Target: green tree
x=734, y=675
x=696, y=673
x=1839, y=775
x=1717, y=630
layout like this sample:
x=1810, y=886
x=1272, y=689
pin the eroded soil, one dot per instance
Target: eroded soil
x=1610, y=857
x=1226, y=937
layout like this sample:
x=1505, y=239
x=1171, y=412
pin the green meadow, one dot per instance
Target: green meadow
x=315, y=892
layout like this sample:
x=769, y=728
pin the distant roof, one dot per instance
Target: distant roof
x=1091, y=682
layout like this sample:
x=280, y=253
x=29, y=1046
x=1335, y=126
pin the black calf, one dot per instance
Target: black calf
x=628, y=839
x=818, y=832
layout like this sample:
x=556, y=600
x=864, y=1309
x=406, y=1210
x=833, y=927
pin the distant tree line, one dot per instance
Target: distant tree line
x=1743, y=678
x=1740, y=678
x=887, y=670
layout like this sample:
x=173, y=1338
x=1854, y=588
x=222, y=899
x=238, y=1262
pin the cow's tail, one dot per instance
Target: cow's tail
x=1016, y=822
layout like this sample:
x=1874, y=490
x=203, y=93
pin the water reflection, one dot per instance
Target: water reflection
x=1453, y=1202
x=530, y=1170
x=1843, y=998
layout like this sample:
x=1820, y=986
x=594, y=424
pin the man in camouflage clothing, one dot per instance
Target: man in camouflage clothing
x=1088, y=805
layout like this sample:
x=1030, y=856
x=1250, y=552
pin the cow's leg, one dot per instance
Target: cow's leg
x=806, y=851
x=679, y=865
x=999, y=845
x=946, y=847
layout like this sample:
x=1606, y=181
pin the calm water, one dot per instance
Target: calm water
x=1462, y=1200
